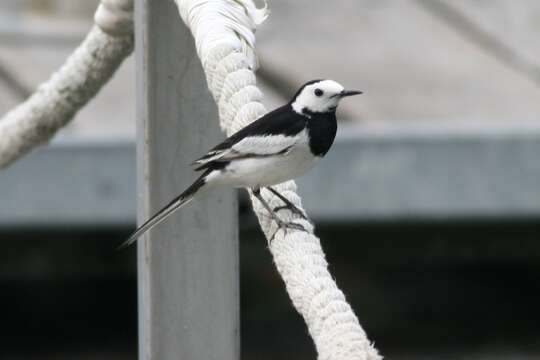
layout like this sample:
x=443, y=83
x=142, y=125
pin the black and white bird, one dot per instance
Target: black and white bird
x=279, y=146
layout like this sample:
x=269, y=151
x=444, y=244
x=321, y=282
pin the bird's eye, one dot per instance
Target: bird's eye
x=318, y=92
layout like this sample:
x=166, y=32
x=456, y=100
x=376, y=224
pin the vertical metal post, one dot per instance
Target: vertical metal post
x=188, y=266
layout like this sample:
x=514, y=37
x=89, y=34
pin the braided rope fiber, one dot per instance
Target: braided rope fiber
x=224, y=37
x=56, y=101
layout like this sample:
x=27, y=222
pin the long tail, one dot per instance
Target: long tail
x=171, y=207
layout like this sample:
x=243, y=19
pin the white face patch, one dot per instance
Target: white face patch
x=318, y=97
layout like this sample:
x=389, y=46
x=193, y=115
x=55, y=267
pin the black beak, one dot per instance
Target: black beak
x=346, y=93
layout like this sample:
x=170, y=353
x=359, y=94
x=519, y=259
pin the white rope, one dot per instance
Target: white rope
x=223, y=32
x=56, y=101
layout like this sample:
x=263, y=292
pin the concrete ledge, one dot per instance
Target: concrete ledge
x=411, y=173
x=428, y=173
x=71, y=183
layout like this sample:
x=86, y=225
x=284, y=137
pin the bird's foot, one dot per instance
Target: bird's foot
x=292, y=209
x=283, y=225
x=288, y=205
x=291, y=225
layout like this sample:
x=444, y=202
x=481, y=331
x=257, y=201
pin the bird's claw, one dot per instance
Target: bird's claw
x=282, y=225
x=291, y=208
x=291, y=225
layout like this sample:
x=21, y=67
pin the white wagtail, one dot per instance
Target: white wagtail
x=277, y=147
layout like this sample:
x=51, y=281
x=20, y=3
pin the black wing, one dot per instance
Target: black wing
x=276, y=130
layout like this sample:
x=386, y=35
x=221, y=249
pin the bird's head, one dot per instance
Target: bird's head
x=319, y=96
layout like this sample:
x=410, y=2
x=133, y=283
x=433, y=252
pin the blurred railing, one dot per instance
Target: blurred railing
x=406, y=173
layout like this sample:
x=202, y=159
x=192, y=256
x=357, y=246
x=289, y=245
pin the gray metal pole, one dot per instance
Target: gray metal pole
x=188, y=266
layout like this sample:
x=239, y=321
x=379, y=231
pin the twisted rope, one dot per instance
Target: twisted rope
x=223, y=32
x=56, y=101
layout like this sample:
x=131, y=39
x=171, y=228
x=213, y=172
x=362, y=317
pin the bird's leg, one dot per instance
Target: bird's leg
x=288, y=205
x=279, y=222
x=257, y=193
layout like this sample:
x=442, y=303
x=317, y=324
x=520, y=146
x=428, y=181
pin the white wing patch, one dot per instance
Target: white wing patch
x=211, y=156
x=264, y=145
x=252, y=146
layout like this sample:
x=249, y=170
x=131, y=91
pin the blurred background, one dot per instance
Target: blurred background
x=428, y=206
